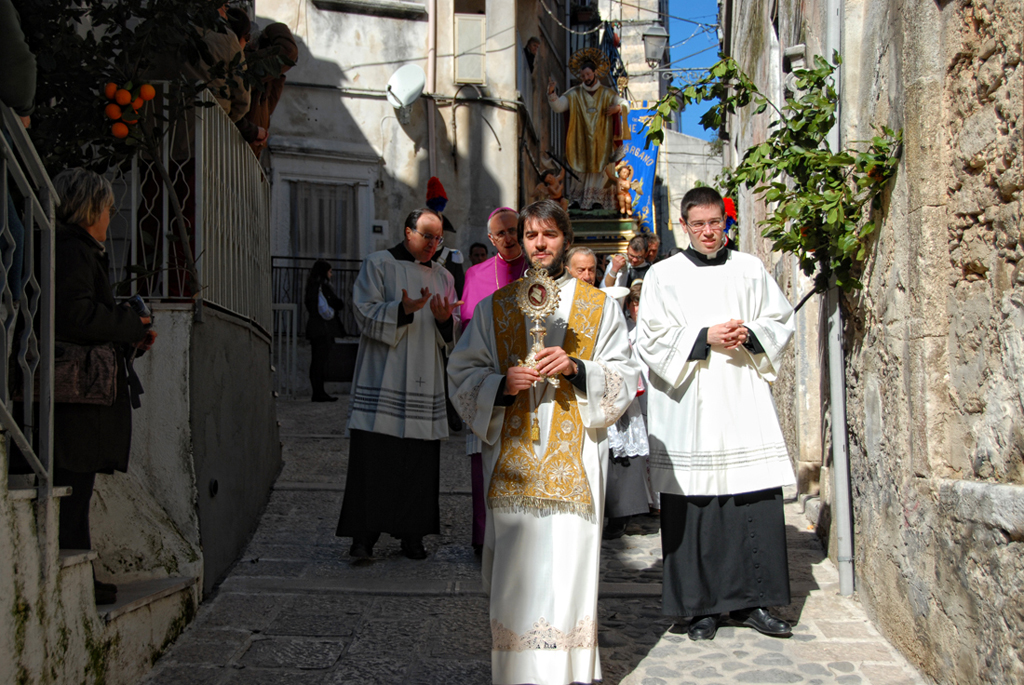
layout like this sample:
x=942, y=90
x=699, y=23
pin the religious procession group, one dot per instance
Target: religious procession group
x=540, y=366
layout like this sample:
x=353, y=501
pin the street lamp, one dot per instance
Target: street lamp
x=655, y=40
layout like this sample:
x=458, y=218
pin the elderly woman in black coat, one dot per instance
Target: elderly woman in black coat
x=89, y=438
x=323, y=307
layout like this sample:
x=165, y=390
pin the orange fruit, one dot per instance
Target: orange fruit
x=147, y=92
x=137, y=104
x=119, y=130
x=122, y=97
x=130, y=116
x=112, y=111
x=109, y=90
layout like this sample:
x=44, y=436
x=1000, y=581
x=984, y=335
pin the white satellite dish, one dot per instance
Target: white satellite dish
x=404, y=87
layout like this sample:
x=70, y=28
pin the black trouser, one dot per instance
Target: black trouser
x=74, y=509
x=321, y=352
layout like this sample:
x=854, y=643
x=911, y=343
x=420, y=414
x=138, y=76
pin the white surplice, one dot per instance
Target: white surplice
x=542, y=569
x=712, y=424
x=398, y=382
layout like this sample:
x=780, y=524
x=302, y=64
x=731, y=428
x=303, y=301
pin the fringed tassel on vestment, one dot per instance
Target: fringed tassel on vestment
x=538, y=506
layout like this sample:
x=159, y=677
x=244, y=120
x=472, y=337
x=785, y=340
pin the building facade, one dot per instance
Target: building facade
x=933, y=342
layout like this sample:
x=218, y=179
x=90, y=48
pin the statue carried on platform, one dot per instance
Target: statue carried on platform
x=596, y=128
x=620, y=179
x=551, y=187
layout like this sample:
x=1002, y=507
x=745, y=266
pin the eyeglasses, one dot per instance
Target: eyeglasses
x=713, y=224
x=504, y=235
x=435, y=239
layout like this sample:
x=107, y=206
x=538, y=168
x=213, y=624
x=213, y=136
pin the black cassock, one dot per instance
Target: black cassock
x=723, y=553
x=391, y=487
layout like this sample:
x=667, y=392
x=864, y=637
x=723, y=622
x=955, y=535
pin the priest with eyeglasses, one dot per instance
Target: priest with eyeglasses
x=406, y=308
x=713, y=325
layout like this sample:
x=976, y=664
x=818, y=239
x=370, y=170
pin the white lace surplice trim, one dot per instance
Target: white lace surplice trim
x=543, y=635
x=465, y=403
x=612, y=388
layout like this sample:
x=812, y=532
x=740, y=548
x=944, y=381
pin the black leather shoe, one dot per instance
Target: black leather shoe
x=703, y=628
x=760, y=620
x=106, y=587
x=360, y=551
x=324, y=398
x=413, y=548
x=615, y=529
x=104, y=594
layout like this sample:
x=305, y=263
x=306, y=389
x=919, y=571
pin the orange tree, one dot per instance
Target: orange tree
x=95, y=59
x=816, y=196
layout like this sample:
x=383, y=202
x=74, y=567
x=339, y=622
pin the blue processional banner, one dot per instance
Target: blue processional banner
x=644, y=164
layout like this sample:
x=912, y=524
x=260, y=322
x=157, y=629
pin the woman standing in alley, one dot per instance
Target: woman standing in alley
x=90, y=435
x=322, y=307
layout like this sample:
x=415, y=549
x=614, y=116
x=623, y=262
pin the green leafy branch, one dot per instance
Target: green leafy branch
x=816, y=197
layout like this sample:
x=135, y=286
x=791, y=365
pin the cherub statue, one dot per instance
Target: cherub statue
x=552, y=187
x=620, y=175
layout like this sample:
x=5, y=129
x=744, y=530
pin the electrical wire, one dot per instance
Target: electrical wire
x=710, y=47
x=664, y=14
x=575, y=33
x=696, y=32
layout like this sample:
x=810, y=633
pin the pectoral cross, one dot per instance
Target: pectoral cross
x=420, y=381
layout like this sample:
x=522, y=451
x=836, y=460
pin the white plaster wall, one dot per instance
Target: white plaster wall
x=157, y=495
x=349, y=134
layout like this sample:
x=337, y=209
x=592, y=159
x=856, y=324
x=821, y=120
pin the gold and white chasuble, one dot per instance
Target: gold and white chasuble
x=546, y=496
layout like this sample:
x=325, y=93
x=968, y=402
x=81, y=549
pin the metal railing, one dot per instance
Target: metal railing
x=27, y=300
x=232, y=218
x=224, y=195
x=289, y=278
x=284, y=351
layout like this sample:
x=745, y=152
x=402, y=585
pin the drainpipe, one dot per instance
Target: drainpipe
x=836, y=365
x=431, y=84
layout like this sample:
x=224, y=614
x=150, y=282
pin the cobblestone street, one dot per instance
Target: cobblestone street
x=296, y=610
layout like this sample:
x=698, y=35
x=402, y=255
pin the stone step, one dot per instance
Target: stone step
x=435, y=587
x=33, y=492
x=74, y=557
x=134, y=596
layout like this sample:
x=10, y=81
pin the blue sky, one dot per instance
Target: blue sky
x=704, y=11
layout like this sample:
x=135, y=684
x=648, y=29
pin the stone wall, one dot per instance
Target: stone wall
x=934, y=344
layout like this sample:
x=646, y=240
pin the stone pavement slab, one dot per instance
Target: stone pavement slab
x=296, y=610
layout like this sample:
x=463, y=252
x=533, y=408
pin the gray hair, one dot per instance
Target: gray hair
x=83, y=196
x=579, y=249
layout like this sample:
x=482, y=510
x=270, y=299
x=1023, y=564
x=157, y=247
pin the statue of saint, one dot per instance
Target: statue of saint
x=596, y=128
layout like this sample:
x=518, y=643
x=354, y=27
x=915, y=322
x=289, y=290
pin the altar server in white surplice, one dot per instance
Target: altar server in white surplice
x=405, y=306
x=713, y=325
x=545, y=457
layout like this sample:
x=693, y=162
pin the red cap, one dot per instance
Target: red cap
x=730, y=208
x=435, y=189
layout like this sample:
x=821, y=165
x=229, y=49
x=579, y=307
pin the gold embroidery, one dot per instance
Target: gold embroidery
x=543, y=635
x=556, y=481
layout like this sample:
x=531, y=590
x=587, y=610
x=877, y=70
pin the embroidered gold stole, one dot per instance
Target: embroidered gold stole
x=556, y=481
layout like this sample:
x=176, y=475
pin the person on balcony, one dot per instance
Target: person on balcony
x=89, y=438
x=227, y=86
x=323, y=307
x=269, y=57
x=407, y=312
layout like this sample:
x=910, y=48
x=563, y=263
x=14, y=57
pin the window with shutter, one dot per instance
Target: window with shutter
x=470, y=48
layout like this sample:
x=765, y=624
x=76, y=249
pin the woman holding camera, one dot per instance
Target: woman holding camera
x=89, y=438
x=323, y=307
